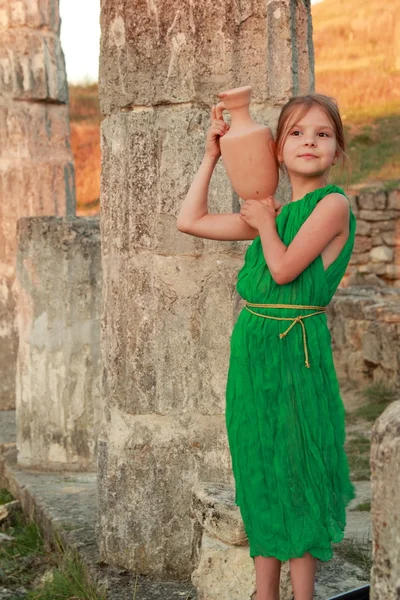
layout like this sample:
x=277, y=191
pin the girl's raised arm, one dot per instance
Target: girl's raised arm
x=194, y=217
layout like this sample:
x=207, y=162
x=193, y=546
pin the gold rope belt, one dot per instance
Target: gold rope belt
x=320, y=311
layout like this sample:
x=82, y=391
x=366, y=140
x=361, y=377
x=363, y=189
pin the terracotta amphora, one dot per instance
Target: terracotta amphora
x=247, y=148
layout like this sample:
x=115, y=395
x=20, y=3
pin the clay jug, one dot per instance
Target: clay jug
x=247, y=148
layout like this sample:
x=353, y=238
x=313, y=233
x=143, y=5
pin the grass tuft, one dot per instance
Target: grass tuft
x=379, y=396
x=356, y=551
x=5, y=496
x=380, y=392
x=363, y=506
x=27, y=558
x=358, y=451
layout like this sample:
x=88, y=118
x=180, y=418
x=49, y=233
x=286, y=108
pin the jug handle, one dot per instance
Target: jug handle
x=219, y=108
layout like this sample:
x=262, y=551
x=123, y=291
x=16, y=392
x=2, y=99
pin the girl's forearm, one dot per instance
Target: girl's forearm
x=195, y=205
x=273, y=247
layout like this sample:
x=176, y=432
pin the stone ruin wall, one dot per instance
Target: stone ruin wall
x=36, y=164
x=376, y=255
x=165, y=359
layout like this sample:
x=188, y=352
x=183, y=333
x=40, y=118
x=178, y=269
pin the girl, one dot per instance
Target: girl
x=284, y=413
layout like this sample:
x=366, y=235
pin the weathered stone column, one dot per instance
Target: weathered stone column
x=36, y=167
x=385, y=506
x=169, y=298
x=59, y=281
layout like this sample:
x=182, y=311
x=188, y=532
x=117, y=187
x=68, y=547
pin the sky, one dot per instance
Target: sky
x=80, y=38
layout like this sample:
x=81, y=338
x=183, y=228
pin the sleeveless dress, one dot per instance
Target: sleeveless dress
x=285, y=422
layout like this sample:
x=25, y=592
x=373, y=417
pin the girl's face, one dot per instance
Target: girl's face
x=310, y=147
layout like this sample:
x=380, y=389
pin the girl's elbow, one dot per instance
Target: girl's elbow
x=281, y=278
x=181, y=226
x=278, y=277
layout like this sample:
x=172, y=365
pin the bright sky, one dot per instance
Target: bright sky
x=80, y=38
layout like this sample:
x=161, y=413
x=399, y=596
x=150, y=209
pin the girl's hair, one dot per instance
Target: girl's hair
x=296, y=108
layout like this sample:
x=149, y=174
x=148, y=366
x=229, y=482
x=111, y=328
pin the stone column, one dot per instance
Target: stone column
x=385, y=506
x=169, y=298
x=36, y=165
x=59, y=281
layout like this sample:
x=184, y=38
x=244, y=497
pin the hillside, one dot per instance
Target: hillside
x=85, y=118
x=357, y=51
x=357, y=60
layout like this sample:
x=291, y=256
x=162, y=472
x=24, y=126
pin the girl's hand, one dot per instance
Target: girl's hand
x=217, y=128
x=254, y=212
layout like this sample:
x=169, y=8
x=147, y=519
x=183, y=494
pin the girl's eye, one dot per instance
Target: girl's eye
x=324, y=133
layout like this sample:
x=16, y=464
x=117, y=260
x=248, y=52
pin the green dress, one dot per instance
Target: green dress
x=285, y=422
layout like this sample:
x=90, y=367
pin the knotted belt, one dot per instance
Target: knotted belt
x=299, y=319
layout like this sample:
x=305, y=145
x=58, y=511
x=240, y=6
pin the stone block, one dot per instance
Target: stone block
x=214, y=506
x=372, y=200
x=148, y=465
x=378, y=268
x=393, y=271
x=33, y=131
x=376, y=215
x=145, y=178
x=381, y=254
x=357, y=259
x=362, y=244
x=391, y=238
x=172, y=53
x=377, y=239
x=35, y=14
x=362, y=227
x=8, y=339
x=32, y=65
x=385, y=513
x=58, y=402
x=227, y=572
x=364, y=324
x=173, y=342
x=366, y=200
x=32, y=189
x=394, y=200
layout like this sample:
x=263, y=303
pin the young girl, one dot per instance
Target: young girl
x=284, y=413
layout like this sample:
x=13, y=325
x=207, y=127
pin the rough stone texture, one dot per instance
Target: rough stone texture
x=365, y=329
x=225, y=570
x=36, y=165
x=174, y=52
x=376, y=255
x=385, y=513
x=169, y=298
x=66, y=504
x=59, y=280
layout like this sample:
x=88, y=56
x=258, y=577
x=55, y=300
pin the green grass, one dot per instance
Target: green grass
x=5, y=496
x=68, y=581
x=378, y=395
x=373, y=150
x=380, y=392
x=356, y=551
x=363, y=506
x=358, y=451
x=22, y=557
x=28, y=556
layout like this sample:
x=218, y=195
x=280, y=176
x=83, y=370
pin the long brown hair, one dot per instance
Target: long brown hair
x=296, y=108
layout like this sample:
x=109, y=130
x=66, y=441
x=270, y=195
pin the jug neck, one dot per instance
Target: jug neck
x=241, y=113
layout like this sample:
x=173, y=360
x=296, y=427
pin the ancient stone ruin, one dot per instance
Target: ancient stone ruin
x=139, y=398
x=36, y=166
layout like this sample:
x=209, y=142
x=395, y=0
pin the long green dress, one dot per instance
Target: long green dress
x=285, y=422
